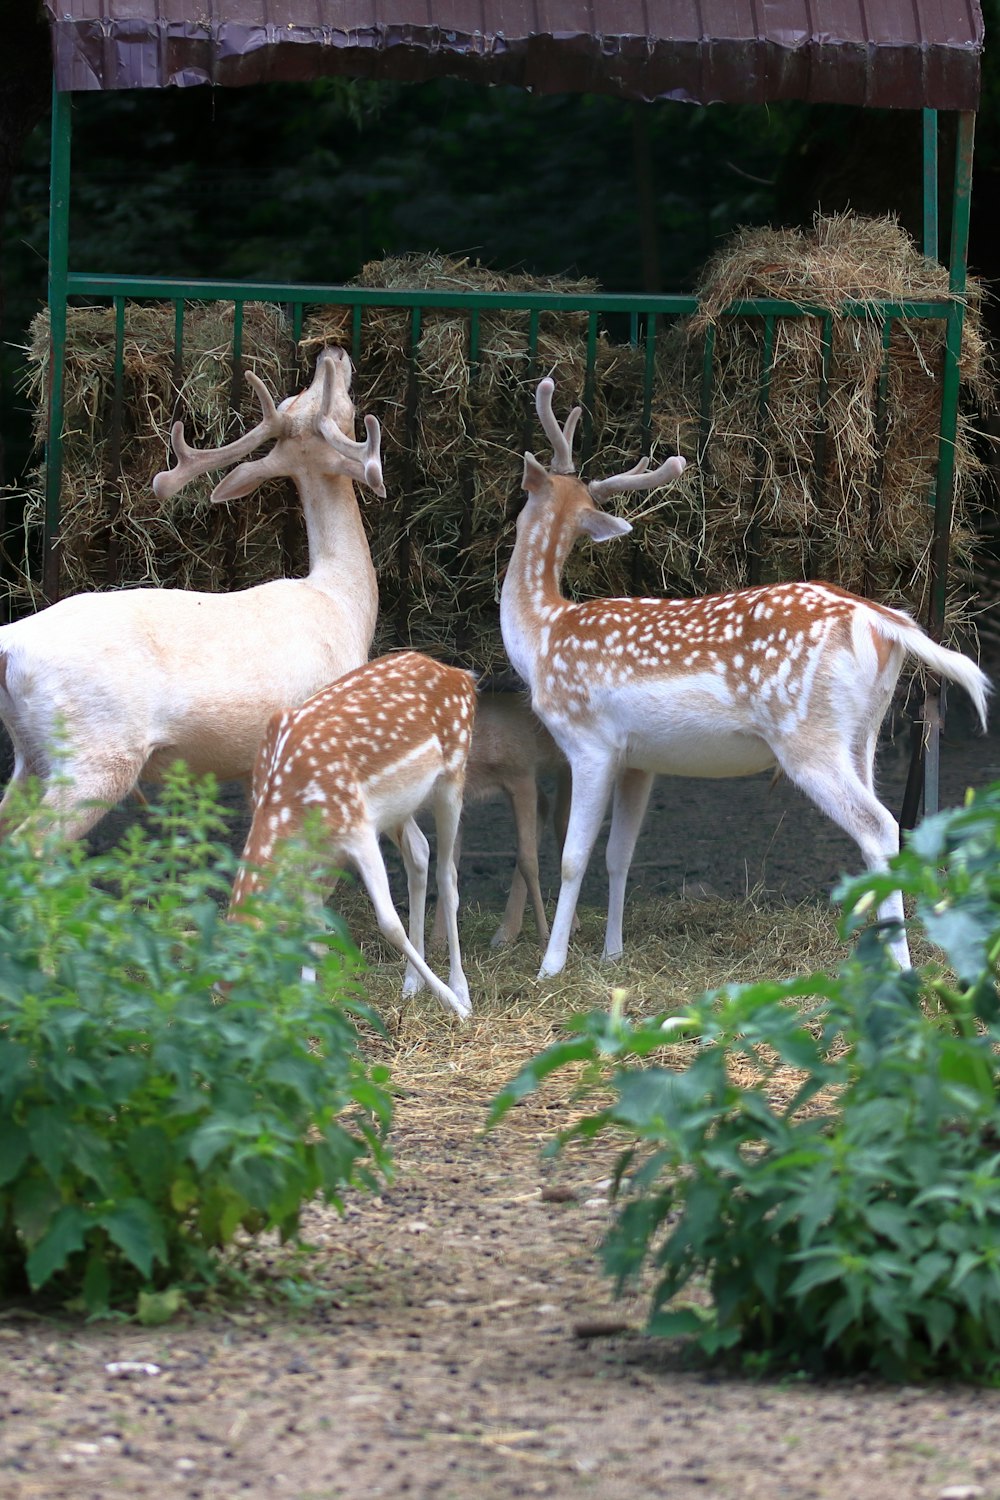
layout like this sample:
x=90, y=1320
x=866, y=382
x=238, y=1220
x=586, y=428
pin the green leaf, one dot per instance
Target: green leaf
x=137, y=1229
x=36, y=1202
x=823, y=1266
x=965, y=932
x=939, y=1318
x=930, y=1268
x=63, y=1238
x=535, y=1072
x=97, y=1280
x=155, y=1308
x=678, y=1322
x=891, y=1221
x=15, y=1148
x=51, y=1137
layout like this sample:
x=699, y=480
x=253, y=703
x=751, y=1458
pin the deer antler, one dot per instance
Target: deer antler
x=194, y=461
x=561, y=438
x=638, y=478
x=364, y=459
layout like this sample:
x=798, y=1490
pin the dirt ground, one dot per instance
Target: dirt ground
x=456, y=1337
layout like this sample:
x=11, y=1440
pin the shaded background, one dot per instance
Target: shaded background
x=307, y=182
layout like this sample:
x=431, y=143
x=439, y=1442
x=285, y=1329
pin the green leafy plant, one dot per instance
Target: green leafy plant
x=856, y=1224
x=167, y=1079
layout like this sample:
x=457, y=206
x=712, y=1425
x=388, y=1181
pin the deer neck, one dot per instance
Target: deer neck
x=532, y=597
x=340, y=561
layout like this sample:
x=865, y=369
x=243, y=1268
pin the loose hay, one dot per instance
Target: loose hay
x=114, y=529
x=846, y=499
x=454, y=430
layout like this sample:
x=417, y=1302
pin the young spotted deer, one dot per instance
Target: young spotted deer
x=510, y=750
x=365, y=754
x=127, y=682
x=795, y=676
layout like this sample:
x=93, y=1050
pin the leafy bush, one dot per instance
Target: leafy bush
x=857, y=1224
x=144, y=1121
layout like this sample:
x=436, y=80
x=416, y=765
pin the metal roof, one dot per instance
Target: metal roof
x=891, y=53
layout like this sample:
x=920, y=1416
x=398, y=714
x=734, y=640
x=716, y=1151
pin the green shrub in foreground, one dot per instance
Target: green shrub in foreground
x=143, y=1121
x=856, y=1226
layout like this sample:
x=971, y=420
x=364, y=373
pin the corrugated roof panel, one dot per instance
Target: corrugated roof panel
x=895, y=53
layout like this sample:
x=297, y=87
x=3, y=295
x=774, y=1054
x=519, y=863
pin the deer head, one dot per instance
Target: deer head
x=312, y=431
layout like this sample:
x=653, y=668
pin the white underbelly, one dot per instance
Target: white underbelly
x=689, y=752
x=690, y=726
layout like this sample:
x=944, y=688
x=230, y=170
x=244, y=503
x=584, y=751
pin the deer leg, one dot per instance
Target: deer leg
x=525, y=800
x=560, y=815
x=838, y=790
x=631, y=798
x=447, y=814
x=81, y=796
x=12, y=804
x=367, y=858
x=412, y=844
x=439, y=933
x=592, y=782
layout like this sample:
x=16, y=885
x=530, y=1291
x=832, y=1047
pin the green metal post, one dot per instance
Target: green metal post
x=930, y=142
x=944, y=495
x=58, y=273
x=930, y=742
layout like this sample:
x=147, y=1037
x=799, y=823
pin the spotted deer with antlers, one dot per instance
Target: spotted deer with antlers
x=127, y=682
x=366, y=754
x=794, y=676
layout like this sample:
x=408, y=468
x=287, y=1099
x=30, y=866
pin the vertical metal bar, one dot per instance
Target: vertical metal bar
x=236, y=387
x=929, y=121
x=114, y=474
x=707, y=395
x=648, y=379
x=404, y=549
x=881, y=440
x=465, y=591
x=821, y=438
x=754, y=560
x=944, y=494
x=356, y=332
x=298, y=313
x=588, y=390
x=178, y=366
x=528, y=407
x=59, y=194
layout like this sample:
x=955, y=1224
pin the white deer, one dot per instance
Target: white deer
x=510, y=750
x=365, y=754
x=796, y=676
x=103, y=689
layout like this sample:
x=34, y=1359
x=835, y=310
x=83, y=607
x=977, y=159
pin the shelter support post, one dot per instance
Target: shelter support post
x=925, y=757
x=59, y=190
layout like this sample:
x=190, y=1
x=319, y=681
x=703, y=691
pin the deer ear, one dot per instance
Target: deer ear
x=601, y=527
x=535, y=477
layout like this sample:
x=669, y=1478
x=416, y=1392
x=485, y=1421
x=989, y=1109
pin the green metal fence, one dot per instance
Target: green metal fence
x=636, y=318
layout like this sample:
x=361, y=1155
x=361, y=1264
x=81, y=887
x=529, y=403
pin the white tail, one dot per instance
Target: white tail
x=795, y=675
x=511, y=749
x=366, y=754
x=131, y=681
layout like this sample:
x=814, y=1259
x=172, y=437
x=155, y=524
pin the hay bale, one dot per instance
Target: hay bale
x=842, y=496
x=454, y=432
x=113, y=528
